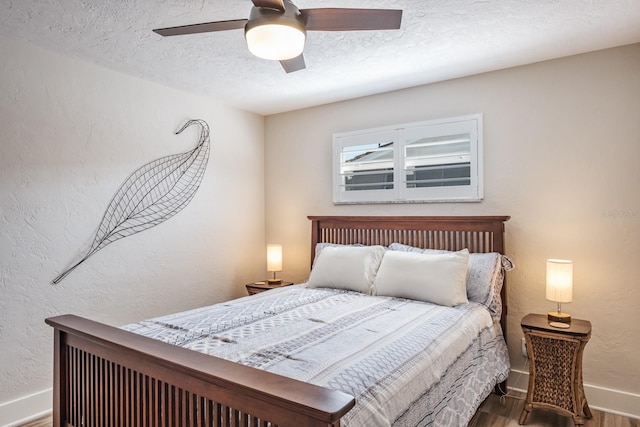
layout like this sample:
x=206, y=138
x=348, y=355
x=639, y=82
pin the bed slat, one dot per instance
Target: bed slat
x=433, y=239
x=476, y=233
x=145, y=401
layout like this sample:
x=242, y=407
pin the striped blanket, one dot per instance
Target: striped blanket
x=408, y=363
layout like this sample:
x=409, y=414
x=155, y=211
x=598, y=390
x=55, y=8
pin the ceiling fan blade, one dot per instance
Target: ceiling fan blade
x=338, y=19
x=293, y=64
x=205, y=27
x=269, y=4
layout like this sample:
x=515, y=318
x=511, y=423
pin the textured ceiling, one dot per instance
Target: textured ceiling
x=439, y=40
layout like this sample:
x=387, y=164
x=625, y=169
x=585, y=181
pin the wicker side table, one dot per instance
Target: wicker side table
x=555, y=367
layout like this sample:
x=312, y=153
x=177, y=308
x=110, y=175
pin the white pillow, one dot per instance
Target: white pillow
x=436, y=278
x=320, y=247
x=352, y=268
x=485, y=276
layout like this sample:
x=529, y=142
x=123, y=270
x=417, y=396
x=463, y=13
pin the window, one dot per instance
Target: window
x=436, y=160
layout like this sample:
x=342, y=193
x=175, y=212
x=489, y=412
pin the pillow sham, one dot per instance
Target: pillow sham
x=352, y=268
x=435, y=278
x=485, y=276
x=320, y=247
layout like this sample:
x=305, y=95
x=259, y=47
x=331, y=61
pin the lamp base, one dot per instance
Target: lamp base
x=557, y=316
x=559, y=325
x=274, y=281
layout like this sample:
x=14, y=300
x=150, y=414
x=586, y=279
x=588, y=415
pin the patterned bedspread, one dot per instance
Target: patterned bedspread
x=408, y=363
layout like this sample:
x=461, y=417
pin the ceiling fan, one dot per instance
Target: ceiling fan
x=276, y=29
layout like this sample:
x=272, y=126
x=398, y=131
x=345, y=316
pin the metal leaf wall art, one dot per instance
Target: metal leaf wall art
x=151, y=195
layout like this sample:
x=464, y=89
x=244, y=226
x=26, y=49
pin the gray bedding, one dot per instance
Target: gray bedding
x=408, y=363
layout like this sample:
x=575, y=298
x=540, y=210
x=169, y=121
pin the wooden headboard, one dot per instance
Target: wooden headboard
x=477, y=233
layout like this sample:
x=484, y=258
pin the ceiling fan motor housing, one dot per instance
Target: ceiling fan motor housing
x=291, y=17
x=276, y=34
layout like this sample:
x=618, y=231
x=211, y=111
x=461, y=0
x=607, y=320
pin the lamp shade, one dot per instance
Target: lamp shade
x=275, y=41
x=274, y=257
x=559, y=280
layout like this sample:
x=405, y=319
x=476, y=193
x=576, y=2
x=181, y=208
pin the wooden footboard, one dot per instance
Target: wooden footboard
x=105, y=376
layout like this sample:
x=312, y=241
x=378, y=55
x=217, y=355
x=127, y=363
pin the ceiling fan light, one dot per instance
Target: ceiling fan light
x=275, y=41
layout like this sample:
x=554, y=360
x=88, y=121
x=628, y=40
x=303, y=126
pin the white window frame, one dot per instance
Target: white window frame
x=401, y=136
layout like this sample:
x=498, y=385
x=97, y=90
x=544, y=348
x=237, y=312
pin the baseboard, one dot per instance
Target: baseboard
x=601, y=398
x=26, y=408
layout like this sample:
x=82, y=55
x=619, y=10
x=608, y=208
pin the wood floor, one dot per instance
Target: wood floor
x=505, y=412
x=496, y=412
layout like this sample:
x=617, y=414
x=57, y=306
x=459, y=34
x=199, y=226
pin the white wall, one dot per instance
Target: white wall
x=561, y=146
x=70, y=133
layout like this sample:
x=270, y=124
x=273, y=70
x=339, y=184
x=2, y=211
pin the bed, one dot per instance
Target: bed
x=107, y=376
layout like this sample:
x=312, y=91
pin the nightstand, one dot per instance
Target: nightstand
x=555, y=367
x=257, y=287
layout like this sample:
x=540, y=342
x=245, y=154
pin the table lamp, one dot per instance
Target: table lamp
x=559, y=290
x=274, y=261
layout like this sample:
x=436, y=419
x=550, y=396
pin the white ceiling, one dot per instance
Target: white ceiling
x=438, y=40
